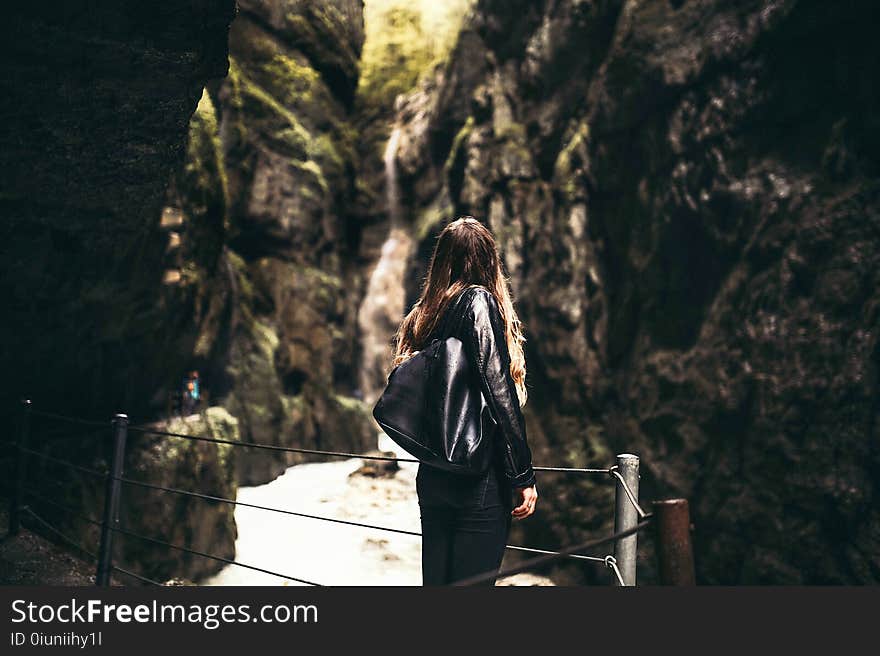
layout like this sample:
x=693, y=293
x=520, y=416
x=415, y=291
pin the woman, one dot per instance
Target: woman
x=466, y=519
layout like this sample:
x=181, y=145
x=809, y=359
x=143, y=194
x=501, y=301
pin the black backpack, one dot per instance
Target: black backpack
x=434, y=408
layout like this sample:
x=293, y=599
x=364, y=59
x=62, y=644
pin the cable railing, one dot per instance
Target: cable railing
x=674, y=551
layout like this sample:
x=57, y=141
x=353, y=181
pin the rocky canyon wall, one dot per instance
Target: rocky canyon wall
x=686, y=198
x=166, y=209
x=95, y=100
x=280, y=292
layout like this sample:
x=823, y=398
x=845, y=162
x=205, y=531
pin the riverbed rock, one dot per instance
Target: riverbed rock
x=378, y=468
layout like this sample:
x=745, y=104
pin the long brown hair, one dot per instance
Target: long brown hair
x=465, y=254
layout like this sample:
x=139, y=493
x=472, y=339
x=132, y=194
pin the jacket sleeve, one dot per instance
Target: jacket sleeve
x=485, y=343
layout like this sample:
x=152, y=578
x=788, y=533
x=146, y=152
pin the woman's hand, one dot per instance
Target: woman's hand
x=528, y=497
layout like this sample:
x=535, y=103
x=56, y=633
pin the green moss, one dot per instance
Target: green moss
x=323, y=278
x=324, y=287
x=204, y=154
x=320, y=25
x=200, y=189
x=570, y=158
x=265, y=112
x=323, y=149
x=439, y=210
x=404, y=41
x=265, y=339
x=512, y=132
x=293, y=82
x=236, y=100
x=321, y=155
x=457, y=143
x=310, y=167
x=215, y=422
x=350, y=404
x=246, y=289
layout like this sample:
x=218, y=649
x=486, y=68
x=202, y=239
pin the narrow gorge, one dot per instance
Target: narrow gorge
x=685, y=194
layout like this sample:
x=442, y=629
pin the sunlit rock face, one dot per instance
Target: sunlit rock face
x=279, y=349
x=686, y=197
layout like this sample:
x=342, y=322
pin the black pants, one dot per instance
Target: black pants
x=465, y=523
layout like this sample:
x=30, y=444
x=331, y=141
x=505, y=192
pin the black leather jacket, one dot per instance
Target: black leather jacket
x=475, y=318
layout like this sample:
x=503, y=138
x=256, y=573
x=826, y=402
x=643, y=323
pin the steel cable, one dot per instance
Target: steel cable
x=71, y=511
x=135, y=575
x=547, y=556
x=221, y=559
x=267, y=447
x=544, y=551
x=54, y=530
x=209, y=497
x=632, y=498
x=338, y=454
x=287, y=449
x=49, y=526
x=72, y=420
x=543, y=560
x=611, y=562
x=62, y=461
x=574, y=470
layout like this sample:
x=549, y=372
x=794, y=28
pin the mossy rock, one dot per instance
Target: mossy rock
x=177, y=463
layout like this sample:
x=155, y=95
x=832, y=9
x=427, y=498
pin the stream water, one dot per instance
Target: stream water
x=331, y=553
x=326, y=552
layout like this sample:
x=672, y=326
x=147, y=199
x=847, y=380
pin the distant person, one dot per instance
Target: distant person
x=195, y=390
x=466, y=518
x=191, y=393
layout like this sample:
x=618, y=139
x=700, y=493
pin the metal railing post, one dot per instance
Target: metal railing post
x=626, y=516
x=111, y=501
x=16, y=499
x=675, y=555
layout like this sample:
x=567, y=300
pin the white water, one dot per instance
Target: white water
x=392, y=186
x=324, y=552
x=383, y=306
x=329, y=553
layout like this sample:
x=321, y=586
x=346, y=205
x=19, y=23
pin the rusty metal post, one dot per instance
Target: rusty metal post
x=626, y=516
x=111, y=501
x=16, y=499
x=675, y=555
